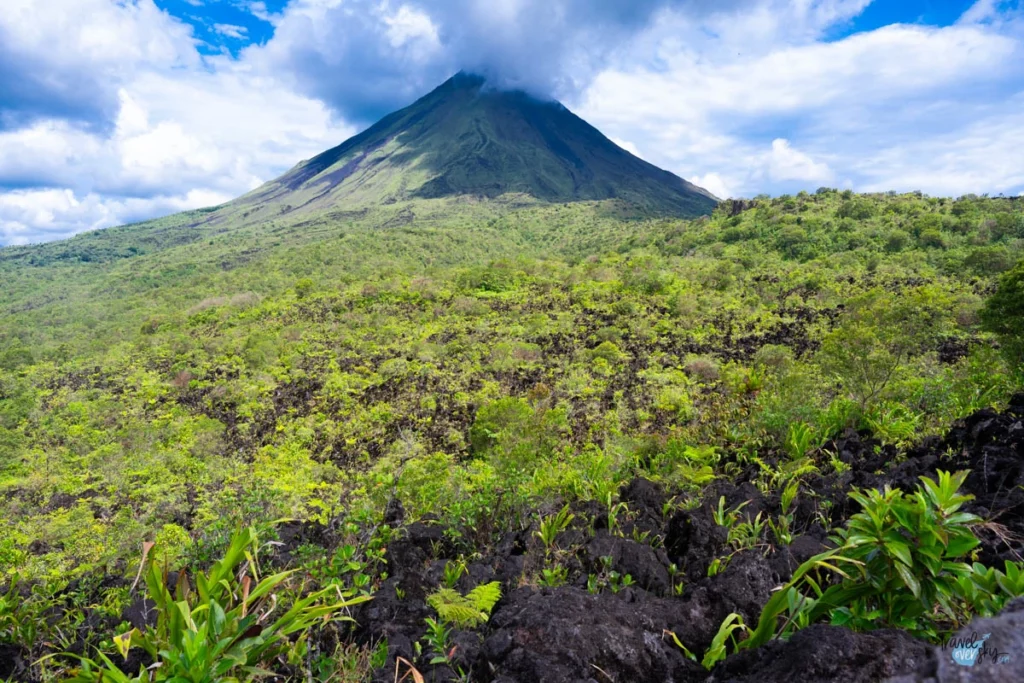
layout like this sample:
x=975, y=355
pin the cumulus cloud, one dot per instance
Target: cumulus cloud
x=165, y=140
x=259, y=10
x=367, y=57
x=786, y=163
x=167, y=130
x=774, y=106
x=714, y=184
x=65, y=58
x=628, y=146
x=231, y=31
x=36, y=215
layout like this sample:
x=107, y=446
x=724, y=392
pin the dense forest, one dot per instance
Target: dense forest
x=325, y=450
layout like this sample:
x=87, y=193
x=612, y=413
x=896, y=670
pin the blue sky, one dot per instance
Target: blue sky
x=119, y=110
x=927, y=12
x=226, y=25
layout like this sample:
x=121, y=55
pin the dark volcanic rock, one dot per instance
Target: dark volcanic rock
x=1001, y=660
x=566, y=634
x=823, y=654
x=648, y=567
x=693, y=539
x=13, y=660
x=744, y=587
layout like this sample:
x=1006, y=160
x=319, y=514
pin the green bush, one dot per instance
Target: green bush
x=897, y=241
x=933, y=239
x=1003, y=313
x=516, y=435
x=225, y=628
x=878, y=336
x=901, y=563
x=856, y=208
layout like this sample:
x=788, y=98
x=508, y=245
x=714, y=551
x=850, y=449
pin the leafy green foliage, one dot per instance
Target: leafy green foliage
x=902, y=564
x=717, y=651
x=1003, y=313
x=552, y=525
x=878, y=334
x=224, y=628
x=466, y=611
x=910, y=550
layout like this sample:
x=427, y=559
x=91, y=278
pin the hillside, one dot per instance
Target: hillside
x=421, y=397
x=466, y=139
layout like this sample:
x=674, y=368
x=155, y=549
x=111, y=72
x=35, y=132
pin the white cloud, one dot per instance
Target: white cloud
x=713, y=183
x=628, y=146
x=29, y=215
x=182, y=132
x=829, y=111
x=231, y=31
x=165, y=140
x=786, y=163
x=982, y=157
x=66, y=57
x=259, y=10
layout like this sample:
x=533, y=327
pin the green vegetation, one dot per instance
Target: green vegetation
x=222, y=629
x=175, y=381
x=465, y=611
x=1003, y=313
x=902, y=559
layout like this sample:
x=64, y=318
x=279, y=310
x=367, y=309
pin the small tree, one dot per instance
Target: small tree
x=1003, y=314
x=878, y=335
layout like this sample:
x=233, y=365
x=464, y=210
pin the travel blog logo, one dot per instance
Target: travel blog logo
x=968, y=651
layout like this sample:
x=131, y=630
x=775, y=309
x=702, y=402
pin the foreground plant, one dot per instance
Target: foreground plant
x=903, y=566
x=229, y=627
x=469, y=610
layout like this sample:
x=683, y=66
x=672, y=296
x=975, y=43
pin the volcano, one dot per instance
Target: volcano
x=466, y=138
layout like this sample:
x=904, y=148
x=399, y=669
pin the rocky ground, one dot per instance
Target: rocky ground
x=568, y=634
x=575, y=635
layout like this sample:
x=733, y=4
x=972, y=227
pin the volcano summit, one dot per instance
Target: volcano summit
x=466, y=138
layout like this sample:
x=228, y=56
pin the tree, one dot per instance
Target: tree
x=878, y=335
x=1003, y=313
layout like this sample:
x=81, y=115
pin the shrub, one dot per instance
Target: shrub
x=1003, y=313
x=858, y=209
x=774, y=357
x=989, y=259
x=206, y=304
x=303, y=288
x=927, y=223
x=878, y=335
x=245, y=300
x=901, y=563
x=219, y=629
x=791, y=238
x=497, y=277
x=932, y=238
x=606, y=350
x=515, y=435
x=702, y=369
x=897, y=241
x=15, y=356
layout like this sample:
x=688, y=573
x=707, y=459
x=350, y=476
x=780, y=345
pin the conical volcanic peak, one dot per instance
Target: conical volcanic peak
x=466, y=138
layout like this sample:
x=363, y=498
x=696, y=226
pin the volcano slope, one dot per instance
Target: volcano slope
x=700, y=397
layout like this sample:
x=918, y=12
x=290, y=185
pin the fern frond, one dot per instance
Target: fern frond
x=465, y=611
x=462, y=615
x=443, y=596
x=485, y=596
